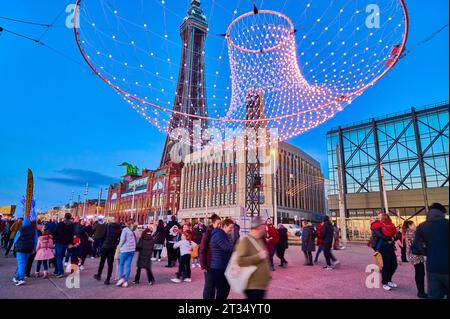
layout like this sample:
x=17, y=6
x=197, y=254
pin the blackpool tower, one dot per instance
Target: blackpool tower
x=191, y=88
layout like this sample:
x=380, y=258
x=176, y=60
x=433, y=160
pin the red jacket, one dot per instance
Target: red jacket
x=387, y=227
x=272, y=233
x=319, y=235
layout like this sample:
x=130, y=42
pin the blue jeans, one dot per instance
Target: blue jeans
x=125, y=259
x=21, y=265
x=319, y=250
x=60, y=252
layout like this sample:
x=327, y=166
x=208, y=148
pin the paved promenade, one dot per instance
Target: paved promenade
x=294, y=282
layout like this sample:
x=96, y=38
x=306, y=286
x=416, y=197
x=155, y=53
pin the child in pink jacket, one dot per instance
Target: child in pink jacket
x=44, y=252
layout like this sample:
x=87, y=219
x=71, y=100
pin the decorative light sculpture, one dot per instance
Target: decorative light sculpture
x=310, y=59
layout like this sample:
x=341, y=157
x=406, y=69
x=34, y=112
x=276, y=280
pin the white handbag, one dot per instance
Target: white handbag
x=164, y=252
x=238, y=276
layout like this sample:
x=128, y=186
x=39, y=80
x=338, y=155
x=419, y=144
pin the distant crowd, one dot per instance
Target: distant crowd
x=228, y=260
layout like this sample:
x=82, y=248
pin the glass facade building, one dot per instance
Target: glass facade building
x=410, y=150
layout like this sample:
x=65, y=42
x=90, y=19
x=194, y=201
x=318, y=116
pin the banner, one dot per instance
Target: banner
x=29, y=196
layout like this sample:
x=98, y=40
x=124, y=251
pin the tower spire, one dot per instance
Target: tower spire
x=191, y=88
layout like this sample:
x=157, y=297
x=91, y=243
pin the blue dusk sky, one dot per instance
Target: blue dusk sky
x=69, y=127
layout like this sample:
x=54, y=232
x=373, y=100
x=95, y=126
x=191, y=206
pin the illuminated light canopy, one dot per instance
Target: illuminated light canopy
x=308, y=59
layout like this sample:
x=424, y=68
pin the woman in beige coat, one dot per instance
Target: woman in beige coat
x=252, y=251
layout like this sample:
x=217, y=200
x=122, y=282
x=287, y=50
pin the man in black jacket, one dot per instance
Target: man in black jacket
x=433, y=236
x=327, y=236
x=170, y=238
x=205, y=258
x=99, y=230
x=64, y=233
x=110, y=242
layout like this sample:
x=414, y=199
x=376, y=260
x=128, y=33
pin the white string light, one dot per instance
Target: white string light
x=308, y=60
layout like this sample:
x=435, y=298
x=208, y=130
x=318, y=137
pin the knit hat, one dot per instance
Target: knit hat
x=257, y=221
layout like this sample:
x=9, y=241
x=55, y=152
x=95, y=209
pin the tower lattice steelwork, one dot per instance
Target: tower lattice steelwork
x=191, y=88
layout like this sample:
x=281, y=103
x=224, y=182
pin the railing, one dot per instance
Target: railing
x=391, y=115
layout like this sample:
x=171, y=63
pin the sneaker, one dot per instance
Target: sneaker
x=120, y=282
x=60, y=276
x=386, y=287
x=198, y=265
x=125, y=285
x=81, y=267
x=45, y=275
x=187, y=280
x=328, y=268
x=65, y=264
x=92, y=257
x=15, y=280
x=422, y=295
x=97, y=277
x=151, y=283
x=153, y=259
x=392, y=284
x=36, y=275
x=177, y=280
x=336, y=263
x=107, y=282
x=193, y=265
x=136, y=282
x=159, y=259
x=20, y=283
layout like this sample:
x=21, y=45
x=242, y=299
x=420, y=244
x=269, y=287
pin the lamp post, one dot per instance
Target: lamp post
x=132, y=202
x=274, y=187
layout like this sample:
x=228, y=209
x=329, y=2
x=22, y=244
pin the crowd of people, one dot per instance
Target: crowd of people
x=426, y=248
x=66, y=244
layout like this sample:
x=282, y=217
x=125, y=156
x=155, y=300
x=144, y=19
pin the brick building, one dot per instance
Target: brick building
x=152, y=194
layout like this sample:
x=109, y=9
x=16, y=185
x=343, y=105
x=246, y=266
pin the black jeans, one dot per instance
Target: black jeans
x=420, y=277
x=149, y=275
x=254, y=294
x=171, y=254
x=83, y=255
x=106, y=254
x=437, y=285
x=157, y=252
x=280, y=255
x=328, y=255
x=9, y=246
x=184, y=268
x=389, y=263
x=29, y=265
x=220, y=282
x=96, y=249
x=209, y=289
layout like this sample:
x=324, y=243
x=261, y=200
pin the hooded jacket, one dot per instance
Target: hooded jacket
x=127, y=241
x=327, y=233
x=111, y=240
x=308, y=236
x=145, y=248
x=99, y=230
x=433, y=234
x=221, y=249
x=283, y=238
x=205, y=250
x=26, y=238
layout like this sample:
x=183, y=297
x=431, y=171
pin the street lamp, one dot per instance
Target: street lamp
x=132, y=202
x=274, y=187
